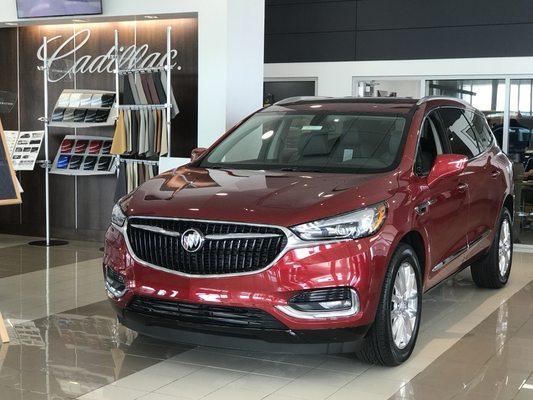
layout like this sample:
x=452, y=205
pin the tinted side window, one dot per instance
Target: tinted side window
x=459, y=132
x=429, y=145
x=484, y=135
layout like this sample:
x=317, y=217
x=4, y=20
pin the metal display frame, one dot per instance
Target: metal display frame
x=168, y=104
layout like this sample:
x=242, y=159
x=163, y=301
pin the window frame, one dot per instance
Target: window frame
x=440, y=128
x=447, y=138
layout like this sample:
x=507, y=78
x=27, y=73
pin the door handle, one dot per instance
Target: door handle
x=422, y=208
x=462, y=187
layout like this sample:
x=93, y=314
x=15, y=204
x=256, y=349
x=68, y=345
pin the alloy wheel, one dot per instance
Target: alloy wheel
x=404, y=305
x=504, y=248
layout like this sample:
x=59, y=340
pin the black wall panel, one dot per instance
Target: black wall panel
x=399, y=14
x=324, y=46
x=396, y=29
x=312, y=17
x=479, y=41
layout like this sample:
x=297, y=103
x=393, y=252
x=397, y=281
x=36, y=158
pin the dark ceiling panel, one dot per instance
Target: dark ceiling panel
x=325, y=16
x=458, y=42
x=326, y=46
x=284, y=2
x=396, y=14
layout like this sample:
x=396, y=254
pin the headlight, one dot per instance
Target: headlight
x=117, y=215
x=357, y=224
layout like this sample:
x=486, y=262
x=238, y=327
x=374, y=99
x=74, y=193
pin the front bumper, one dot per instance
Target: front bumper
x=358, y=264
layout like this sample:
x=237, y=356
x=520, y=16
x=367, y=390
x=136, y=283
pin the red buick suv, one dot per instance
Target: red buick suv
x=315, y=224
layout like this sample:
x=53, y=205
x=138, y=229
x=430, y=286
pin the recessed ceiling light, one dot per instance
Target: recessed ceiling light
x=151, y=17
x=316, y=106
x=11, y=24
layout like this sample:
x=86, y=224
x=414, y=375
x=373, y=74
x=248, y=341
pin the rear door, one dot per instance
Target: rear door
x=486, y=197
x=463, y=140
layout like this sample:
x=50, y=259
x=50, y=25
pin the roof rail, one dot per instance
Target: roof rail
x=299, y=98
x=433, y=97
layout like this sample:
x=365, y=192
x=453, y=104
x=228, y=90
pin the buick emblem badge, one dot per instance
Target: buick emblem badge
x=192, y=240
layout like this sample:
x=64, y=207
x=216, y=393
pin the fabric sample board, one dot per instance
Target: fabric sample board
x=77, y=108
x=84, y=155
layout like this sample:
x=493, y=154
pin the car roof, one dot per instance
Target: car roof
x=378, y=105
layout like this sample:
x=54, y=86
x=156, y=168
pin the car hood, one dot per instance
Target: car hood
x=261, y=197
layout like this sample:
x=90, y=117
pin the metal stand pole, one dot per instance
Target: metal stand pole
x=117, y=91
x=169, y=88
x=47, y=242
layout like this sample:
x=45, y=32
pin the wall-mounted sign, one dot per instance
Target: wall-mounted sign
x=133, y=56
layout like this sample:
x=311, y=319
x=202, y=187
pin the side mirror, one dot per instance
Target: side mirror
x=197, y=153
x=446, y=165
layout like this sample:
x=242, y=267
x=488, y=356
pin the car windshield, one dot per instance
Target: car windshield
x=321, y=142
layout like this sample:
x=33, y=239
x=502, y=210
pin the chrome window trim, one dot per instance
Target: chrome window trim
x=293, y=242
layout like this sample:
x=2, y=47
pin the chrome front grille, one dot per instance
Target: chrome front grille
x=227, y=248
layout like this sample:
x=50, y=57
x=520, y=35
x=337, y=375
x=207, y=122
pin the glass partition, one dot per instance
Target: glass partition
x=521, y=154
x=389, y=88
x=487, y=95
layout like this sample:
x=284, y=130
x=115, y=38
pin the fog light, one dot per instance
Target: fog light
x=322, y=303
x=114, y=283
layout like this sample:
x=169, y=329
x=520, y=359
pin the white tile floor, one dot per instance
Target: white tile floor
x=38, y=294
x=449, y=312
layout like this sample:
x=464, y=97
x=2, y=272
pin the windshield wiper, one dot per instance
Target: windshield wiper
x=296, y=169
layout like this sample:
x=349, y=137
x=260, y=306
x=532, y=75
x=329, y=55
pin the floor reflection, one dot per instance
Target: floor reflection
x=493, y=361
x=69, y=354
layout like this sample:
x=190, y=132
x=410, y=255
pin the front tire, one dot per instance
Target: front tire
x=391, y=339
x=493, y=270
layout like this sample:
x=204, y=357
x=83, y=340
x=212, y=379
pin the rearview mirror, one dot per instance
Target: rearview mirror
x=446, y=165
x=197, y=153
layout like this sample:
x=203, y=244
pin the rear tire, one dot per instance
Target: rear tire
x=493, y=270
x=388, y=341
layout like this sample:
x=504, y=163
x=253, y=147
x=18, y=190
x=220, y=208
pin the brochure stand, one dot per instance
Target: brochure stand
x=47, y=242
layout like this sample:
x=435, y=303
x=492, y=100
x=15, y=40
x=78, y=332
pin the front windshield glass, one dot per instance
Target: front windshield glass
x=319, y=142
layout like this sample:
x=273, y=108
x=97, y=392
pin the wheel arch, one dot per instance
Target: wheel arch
x=508, y=203
x=417, y=242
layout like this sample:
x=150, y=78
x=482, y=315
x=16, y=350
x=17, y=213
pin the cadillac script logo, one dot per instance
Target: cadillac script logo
x=192, y=240
x=129, y=57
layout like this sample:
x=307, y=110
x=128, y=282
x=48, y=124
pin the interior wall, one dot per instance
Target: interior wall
x=335, y=78
x=218, y=63
x=81, y=206
x=230, y=34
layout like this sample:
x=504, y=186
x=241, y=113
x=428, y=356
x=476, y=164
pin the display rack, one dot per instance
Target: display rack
x=167, y=106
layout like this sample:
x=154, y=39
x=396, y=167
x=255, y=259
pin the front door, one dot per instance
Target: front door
x=441, y=210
